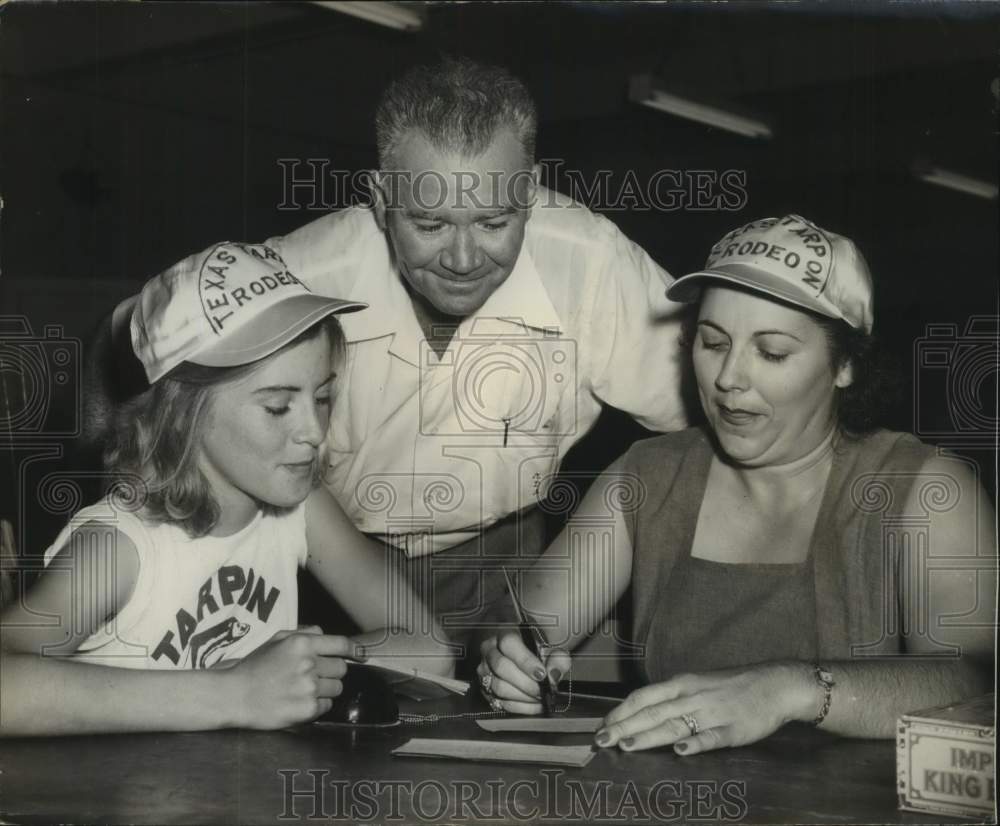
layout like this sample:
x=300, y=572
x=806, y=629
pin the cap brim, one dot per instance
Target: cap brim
x=273, y=329
x=121, y=316
x=687, y=288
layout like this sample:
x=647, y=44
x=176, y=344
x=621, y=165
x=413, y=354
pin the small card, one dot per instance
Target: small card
x=545, y=725
x=479, y=750
x=419, y=682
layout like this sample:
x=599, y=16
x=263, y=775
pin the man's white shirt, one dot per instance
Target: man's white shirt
x=427, y=451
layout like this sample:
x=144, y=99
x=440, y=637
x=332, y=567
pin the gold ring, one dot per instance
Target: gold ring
x=692, y=723
x=487, y=681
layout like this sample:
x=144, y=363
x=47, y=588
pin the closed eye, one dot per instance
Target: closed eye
x=431, y=227
x=708, y=343
x=711, y=337
x=493, y=226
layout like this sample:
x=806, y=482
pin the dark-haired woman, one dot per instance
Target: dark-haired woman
x=787, y=562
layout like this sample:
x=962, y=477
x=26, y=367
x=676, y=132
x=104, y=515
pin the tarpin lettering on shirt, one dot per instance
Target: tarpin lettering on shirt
x=219, y=301
x=230, y=585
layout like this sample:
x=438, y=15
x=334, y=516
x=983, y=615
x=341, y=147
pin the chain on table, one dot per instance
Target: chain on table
x=425, y=719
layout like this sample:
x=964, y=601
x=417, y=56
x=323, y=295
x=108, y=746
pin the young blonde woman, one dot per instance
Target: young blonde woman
x=176, y=608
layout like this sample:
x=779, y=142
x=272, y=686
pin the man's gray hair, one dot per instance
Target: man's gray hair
x=459, y=105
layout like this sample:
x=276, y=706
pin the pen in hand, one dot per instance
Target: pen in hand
x=532, y=638
x=544, y=685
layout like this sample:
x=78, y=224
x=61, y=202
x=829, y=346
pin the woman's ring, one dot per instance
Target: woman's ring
x=692, y=723
x=496, y=704
x=487, y=681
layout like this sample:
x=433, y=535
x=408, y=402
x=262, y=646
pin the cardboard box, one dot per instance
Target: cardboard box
x=946, y=760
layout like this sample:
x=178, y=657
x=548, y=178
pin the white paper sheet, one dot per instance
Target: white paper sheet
x=552, y=725
x=447, y=683
x=480, y=750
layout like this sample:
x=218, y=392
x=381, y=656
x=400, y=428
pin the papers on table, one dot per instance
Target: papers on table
x=479, y=750
x=545, y=725
x=417, y=680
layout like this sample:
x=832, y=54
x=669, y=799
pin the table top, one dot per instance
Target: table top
x=799, y=775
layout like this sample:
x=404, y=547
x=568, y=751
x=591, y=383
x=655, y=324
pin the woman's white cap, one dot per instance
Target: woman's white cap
x=792, y=259
x=231, y=304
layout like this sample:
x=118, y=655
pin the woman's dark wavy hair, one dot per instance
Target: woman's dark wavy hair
x=863, y=405
x=155, y=436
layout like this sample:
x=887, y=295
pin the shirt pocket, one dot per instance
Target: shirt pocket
x=514, y=389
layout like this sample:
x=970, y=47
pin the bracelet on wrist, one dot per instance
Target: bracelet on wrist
x=825, y=681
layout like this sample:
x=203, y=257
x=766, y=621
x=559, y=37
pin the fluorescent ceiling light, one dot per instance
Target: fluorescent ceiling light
x=642, y=90
x=958, y=182
x=393, y=15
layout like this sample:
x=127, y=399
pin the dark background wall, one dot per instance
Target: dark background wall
x=132, y=134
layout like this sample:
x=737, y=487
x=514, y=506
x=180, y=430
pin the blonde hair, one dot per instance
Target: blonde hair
x=155, y=436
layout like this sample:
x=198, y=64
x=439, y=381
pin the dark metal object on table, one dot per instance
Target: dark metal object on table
x=533, y=638
x=367, y=699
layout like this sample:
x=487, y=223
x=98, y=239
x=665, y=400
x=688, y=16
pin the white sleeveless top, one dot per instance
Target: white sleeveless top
x=196, y=601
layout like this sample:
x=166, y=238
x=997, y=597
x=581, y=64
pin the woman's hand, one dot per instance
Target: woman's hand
x=290, y=679
x=510, y=673
x=732, y=707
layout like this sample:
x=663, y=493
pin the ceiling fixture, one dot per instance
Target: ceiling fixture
x=643, y=90
x=394, y=15
x=956, y=181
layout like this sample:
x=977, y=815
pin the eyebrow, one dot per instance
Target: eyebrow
x=430, y=216
x=778, y=333
x=756, y=333
x=291, y=388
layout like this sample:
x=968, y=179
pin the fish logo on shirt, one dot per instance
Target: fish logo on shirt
x=230, y=586
x=208, y=646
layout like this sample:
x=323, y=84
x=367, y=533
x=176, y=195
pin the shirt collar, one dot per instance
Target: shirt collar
x=521, y=300
x=378, y=285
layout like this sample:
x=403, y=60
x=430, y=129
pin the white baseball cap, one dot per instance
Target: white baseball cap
x=792, y=259
x=231, y=304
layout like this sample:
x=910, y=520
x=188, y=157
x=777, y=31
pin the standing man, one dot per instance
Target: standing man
x=502, y=316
